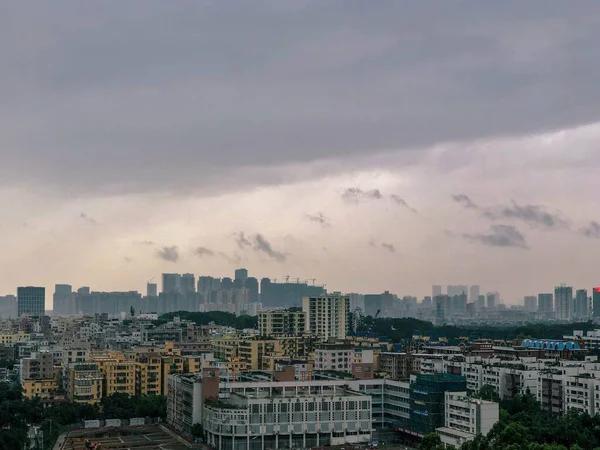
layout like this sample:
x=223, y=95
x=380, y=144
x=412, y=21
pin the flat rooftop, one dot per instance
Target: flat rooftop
x=143, y=438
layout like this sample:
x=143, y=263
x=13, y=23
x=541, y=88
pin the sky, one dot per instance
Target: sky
x=370, y=145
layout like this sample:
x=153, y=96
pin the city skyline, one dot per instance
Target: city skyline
x=373, y=148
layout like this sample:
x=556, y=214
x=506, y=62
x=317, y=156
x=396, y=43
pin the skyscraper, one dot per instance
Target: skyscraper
x=581, y=306
x=251, y=284
x=188, y=284
x=63, y=300
x=459, y=289
x=474, y=293
x=436, y=290
x=31, y=301
x=227, y=283
x=546, y=305
x=492, y=298
x=530, y=303
x=563, y=298
x=171, y=283
x=241, y=274
x=596, y=302
x=151, y=290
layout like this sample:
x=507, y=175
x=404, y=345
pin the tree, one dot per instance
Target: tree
x=431, y=441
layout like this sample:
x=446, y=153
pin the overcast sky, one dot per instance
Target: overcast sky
x=371, y=145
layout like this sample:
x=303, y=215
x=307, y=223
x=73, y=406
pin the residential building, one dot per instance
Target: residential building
x=596, y=302
x=31, y=301
x=474, y=291
x=466, y=417
x=63, y=300
x=39, y=366
x=436, y=290
x=530, y=303
x=581, y=305
x=398, y=366
x=281, y=322
x=546, y=305
x=328, y=316
x=563, y=296
x=152, y=290
x=85, y=383
x=334, y=357
x=171, y=283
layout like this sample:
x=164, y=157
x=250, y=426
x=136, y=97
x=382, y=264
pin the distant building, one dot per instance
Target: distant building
x=581, y=306
x=474, y=294
x=286, y=295
x=63, y=300
x=152, y=290
x=530, y=303
x=241, y=274
x=227, y=283
x=546, y=305
x=83, y=290
x=171, y=283
x=328, y=316
x=206, y=284
x=480, y=302
x=492, y=299
x=563, y=296
x=436, y=290
x=31, y=301
x=251, y=284
x=596, y=302
x=8, y=306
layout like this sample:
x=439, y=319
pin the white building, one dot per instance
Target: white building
x=466, y=417
x=328, y=316
x=337, y=357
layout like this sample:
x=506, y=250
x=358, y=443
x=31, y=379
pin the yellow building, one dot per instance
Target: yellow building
x=42, y=389
x=119, y=377
x=149, y=374
x=86, y=383
x=226, y=349
x=13, y=338
x=252, y=351
x=170, y=364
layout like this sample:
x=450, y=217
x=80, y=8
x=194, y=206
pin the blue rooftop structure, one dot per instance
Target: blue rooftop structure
x=550, y=344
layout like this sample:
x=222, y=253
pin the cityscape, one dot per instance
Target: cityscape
x=248, y=364
x=299, y=224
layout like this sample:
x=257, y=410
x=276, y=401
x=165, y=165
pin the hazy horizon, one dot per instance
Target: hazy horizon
x=374, y=147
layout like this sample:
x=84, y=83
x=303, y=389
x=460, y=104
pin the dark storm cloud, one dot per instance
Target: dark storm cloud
x=592, y=230
x=331, y=79
x=389, y=247
x=400, y=201
x=242, y=241
x=264, y=246
x=203, y=251
x=532, y=214
x=318, y=218
x=355, y=194
x=500, y=236
x=88, y=219
x=465, y=201
x=170, y=254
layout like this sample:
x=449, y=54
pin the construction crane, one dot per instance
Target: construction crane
x=312, y=279
x=297, y=280
x=373, y=322
x=286, y=277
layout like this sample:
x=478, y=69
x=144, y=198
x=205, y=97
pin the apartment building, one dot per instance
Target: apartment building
x=466, y=417
x=398, y=366
x=253, y=351
x=14, y=338
x=44, y=389
x=85, y=383
x=39, y=366
x=334, y=357
x=288, y=420
x=328, y=316
x=281, y=322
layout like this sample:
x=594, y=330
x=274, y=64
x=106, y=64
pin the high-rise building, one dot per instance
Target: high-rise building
x=492, y=299
x=459, y=289
x=596, y=302
x=171, y=283
x=152, y=290
x=441, y=307
x=530, y=303
x=581, y=307
x=480, y=302
x=281, y=322
x=546, y=305
x=31, y=301
x=8, y=306
x=251, y=284
x=474, y=293
x=188, y=284
x=227, y=283
x=63, y=300
x=84, y=290
x=436, y=290
x=207, y=284
x=563, y=296
x=241, y=274
x=328, y=316
x=286, y=295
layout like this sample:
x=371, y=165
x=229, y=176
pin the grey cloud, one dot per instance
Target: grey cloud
x=500, y=236
x=355, y=194
x=592, y=230
x=531, y=214
x=318, y=218
x=88, y=219
x=332, y=79
x=147, y=243
x=264, y=246
x=203, y=251
x=465, y=201
x=400, y=201
x=242, y=241
x=236, y=259
x=170, y=254
x=388, y=247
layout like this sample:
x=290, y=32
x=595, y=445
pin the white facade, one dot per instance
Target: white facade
x=328, y=316
x=466, y=417
x=334, y=357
